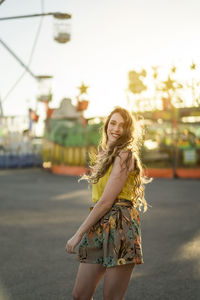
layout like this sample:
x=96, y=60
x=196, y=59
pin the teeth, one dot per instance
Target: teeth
x=115, y=135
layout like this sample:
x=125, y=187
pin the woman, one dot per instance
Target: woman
x=110, y=237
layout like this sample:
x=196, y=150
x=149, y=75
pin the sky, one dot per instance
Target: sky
x=108, y=39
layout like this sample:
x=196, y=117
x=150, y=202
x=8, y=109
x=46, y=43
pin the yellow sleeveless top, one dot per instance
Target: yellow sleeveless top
x=126, y=193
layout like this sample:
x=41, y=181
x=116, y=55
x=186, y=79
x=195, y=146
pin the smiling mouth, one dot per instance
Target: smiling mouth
x=115, y=135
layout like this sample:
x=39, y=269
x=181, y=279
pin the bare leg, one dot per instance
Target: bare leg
x=116, y=281
x=87, y=279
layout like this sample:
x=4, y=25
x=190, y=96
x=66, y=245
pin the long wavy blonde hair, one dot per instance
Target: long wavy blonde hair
x=130, y=141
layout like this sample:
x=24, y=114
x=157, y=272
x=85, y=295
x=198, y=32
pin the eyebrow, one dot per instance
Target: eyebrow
x=116, y=121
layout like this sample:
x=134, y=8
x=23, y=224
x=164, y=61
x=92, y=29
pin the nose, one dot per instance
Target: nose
x=116, y=128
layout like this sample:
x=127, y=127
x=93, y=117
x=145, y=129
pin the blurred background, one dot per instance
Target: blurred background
x=66, y=64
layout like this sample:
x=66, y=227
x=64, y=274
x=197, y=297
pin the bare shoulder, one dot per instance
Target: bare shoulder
x=124, y=154
x=125, y=159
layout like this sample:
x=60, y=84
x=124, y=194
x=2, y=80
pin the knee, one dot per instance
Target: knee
x=76, y=295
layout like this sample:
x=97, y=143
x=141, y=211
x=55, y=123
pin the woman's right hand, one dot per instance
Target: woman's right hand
x=72, y=243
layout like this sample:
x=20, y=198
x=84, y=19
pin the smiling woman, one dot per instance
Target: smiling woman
x=110, y=237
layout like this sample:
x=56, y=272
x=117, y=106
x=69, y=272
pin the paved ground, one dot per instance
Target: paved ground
x=40, y=211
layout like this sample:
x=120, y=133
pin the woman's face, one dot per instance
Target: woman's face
x=115, y=127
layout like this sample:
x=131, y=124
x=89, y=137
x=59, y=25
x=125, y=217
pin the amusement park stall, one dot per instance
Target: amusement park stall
x=18, y=147
x=69, y=138
x=172, y=143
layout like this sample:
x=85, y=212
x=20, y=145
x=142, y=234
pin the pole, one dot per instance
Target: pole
x=57, y=15
x=1, y=108
x=174, y=140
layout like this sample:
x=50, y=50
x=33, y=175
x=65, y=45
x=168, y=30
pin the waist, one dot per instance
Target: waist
x=123, y=202
x=120, y=202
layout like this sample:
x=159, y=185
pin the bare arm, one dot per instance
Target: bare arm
x=112, y=189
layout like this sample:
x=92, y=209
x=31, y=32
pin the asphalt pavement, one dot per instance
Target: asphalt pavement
x=39, y=211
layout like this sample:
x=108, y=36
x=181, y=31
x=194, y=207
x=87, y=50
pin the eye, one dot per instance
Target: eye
x=112, y=122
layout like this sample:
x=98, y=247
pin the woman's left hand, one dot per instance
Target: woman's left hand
x=72, y=243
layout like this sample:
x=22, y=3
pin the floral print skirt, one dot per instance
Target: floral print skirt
x=115, y=239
